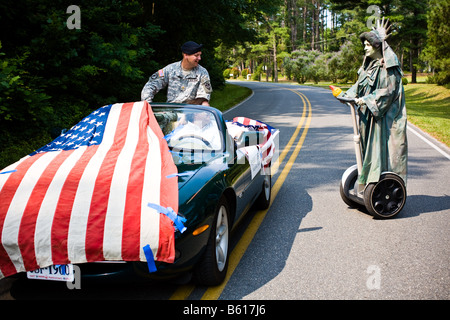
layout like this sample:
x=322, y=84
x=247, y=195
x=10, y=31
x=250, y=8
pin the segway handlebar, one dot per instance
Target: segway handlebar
x=347, y=100
x=351, y=102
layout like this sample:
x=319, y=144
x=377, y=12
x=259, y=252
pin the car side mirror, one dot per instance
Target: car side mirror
x=249, y=138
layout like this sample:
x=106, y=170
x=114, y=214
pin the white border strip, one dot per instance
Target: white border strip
x=246, y=99
x=445, y=154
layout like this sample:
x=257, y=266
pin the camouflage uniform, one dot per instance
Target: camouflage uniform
x=183, y=86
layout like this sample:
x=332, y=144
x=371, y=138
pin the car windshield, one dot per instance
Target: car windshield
x=189, y=128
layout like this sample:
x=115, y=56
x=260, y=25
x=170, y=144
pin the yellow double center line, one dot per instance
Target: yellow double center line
x=213, y=293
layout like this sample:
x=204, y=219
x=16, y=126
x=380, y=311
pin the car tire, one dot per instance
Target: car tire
x=212, y=267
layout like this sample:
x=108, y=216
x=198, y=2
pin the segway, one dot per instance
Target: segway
x=383, y=199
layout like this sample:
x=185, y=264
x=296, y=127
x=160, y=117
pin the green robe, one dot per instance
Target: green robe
x=382, y=118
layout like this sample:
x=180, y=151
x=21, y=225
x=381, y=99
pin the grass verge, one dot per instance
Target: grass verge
x=228, y=97
x=428, y=107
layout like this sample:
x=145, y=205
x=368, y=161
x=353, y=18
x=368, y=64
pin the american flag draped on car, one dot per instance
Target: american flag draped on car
x=267, y=146
x=84, y=196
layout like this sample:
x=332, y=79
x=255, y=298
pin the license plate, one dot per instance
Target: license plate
x=61, y=272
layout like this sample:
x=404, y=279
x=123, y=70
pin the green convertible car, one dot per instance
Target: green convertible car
x=223, y=171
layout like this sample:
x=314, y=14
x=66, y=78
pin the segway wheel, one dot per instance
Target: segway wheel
x=348, y=182
x=386, y=198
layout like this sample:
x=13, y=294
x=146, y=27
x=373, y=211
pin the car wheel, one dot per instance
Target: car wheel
x=212, y=268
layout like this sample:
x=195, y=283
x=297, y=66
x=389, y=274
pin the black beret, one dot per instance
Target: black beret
x=191, y=47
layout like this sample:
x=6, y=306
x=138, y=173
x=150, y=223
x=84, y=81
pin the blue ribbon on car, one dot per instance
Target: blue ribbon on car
x=150, y=260
x=178, y=175
x=177, y=220
x=10, y=171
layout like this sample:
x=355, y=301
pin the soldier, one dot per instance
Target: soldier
x=186, y=80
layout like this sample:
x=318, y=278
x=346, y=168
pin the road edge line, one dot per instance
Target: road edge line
x=236, y=255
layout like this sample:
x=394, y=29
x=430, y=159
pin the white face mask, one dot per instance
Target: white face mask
x=370, y=51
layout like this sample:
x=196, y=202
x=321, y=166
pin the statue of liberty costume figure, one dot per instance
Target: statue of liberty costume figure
x=381, y=108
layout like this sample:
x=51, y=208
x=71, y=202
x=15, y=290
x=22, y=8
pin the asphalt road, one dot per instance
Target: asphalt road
x=310, y=244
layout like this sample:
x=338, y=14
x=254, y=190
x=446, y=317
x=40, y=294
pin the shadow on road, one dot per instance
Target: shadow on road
x=420, y=204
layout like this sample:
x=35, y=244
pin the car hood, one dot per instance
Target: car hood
x=186, y=172
x=190, y=167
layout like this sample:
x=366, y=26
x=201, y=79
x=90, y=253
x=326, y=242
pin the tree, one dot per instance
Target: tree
x=210, y=22
x=275, y=37
x=52, y=76
x=412, y=31
x=437, y=53
x=408, y=19
x=301, y=64
x=306, y=21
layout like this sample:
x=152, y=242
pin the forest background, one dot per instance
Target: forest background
x=58, y=64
